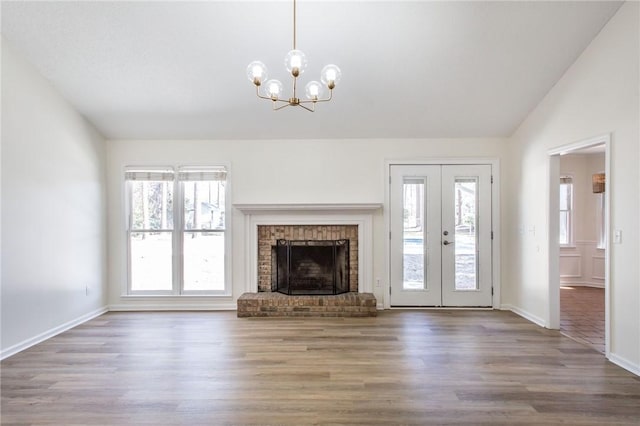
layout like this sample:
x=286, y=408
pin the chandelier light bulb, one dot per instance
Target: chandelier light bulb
x=257, y=72
x=331, y=75
x=274, y=89
x=313, y=90
x=296, y=62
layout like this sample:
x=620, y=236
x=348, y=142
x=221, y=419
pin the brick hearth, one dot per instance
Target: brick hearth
x=273, y=304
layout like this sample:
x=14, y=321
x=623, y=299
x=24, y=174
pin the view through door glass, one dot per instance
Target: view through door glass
x=466, y=212
x=413, y=239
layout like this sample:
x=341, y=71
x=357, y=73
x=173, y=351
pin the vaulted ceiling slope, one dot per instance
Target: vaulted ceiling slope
x=411, y=69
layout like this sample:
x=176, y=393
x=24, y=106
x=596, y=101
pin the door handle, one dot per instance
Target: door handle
x=446, y=243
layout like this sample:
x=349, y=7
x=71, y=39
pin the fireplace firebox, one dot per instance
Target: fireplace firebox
x=311, y=267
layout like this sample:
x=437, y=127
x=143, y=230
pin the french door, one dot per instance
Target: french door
x=440, y=235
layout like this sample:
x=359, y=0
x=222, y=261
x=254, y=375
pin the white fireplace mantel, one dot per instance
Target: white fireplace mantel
x=360, y=214
x=335, y=208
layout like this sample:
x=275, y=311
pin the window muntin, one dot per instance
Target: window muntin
x=176, y=234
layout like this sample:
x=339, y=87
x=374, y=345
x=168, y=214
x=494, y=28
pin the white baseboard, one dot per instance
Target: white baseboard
x=125, y=307
x=12, y=350
x=624, y=363
x=524, y=314
x=582, y=284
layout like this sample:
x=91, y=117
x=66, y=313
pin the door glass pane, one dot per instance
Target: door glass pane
x=414, y=221
x=151, y=261
x=466, y=241
x=204, y=261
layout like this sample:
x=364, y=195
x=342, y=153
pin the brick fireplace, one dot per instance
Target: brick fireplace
x=265, y=224
x=268, y=235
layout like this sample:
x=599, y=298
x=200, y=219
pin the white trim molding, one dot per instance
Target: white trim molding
x=360, y=214
x=19, y=347
x=594, y=267
x=578, y=258
x=148, y=306
x=582, y=265
x=524, y=314
x=624, y=363
x=335, y=208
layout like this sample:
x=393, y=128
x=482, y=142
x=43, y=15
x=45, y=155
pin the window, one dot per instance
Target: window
x=203, y=229
x=566, y=211
x=600, y=217
x=150, y=230
x=177, y=231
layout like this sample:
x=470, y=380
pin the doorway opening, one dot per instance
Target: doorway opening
x=578, y=241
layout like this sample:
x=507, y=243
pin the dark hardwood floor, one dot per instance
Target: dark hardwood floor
x=403, y=367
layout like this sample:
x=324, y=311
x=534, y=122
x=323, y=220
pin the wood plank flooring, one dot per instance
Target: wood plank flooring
x=403, y=367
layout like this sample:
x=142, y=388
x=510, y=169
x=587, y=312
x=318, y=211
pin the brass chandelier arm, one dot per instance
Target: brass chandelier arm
x=298, y=102
x=307, y=108
x=259, y=95
x=290, y=104
x=313, y=101
x=269, y=98
x=280, y=107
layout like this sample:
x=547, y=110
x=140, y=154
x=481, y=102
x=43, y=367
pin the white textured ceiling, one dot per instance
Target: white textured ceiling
x=410, y=69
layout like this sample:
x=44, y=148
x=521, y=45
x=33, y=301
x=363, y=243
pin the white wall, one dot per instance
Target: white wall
x=597, y=95
x=287, y=171
x=53, y=210
x=583, y=263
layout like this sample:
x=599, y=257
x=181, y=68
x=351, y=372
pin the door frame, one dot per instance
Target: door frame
x=495, y=217
x=553, y=307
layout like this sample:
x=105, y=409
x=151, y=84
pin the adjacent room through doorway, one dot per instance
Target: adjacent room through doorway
x=582, y=245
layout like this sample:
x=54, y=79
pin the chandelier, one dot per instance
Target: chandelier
x=296, y=63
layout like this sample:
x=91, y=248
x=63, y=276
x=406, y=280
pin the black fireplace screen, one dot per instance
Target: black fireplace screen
x=305, y=267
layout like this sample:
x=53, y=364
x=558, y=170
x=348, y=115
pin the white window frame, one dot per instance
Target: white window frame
x=178, y=231
x=179, y=223
x=570, y=216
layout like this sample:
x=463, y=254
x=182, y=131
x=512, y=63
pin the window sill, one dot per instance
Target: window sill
x=175, y=296
x=568, y=246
